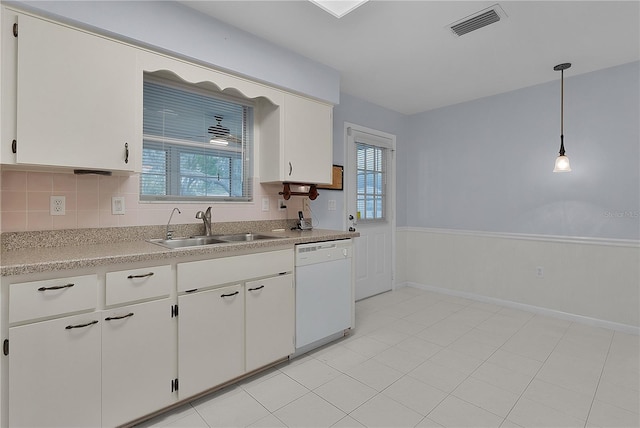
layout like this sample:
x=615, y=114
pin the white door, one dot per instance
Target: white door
x=371, y=205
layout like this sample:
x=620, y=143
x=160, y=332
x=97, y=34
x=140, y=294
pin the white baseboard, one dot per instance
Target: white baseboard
x=594, y=322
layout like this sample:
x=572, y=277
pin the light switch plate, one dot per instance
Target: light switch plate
x=117, y=205
x=332, y=205
x=265, y=204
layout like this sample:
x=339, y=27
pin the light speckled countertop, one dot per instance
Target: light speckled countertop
x=86, y=254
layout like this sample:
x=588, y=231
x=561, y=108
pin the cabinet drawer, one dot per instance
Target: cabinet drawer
x=51, y=297
x=207, y=273
x=138, y=284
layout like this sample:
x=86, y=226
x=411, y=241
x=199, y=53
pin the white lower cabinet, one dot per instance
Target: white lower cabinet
x=270, y=330
x=54, y=373
x=137, y=361
x=108, y=348
x=210, y=338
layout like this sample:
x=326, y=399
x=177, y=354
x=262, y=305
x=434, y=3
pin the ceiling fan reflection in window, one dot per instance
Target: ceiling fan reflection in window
x=220, y=135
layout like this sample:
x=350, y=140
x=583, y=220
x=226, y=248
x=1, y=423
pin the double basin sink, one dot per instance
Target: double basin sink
x=198, y=241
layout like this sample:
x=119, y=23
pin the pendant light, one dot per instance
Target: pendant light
x=219, y=133
x=562, y=162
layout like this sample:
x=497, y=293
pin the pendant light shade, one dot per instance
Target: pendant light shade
x=562, y=162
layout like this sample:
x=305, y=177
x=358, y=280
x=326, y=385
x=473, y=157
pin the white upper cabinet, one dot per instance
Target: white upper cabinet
x=296, y=143
x=73, y=99
x=76, y=98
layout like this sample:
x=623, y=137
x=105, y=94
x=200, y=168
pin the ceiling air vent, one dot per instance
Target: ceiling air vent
x=478, y=20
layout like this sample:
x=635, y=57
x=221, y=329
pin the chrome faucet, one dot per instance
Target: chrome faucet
x=169, y=233
x=206, y=218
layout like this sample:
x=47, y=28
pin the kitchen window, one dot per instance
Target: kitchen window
x=371, y=181
x=198, y=144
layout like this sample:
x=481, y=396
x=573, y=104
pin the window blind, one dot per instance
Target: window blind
x=371, y=181
x=197, y=144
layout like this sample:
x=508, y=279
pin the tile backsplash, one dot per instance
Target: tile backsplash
x=25, y=203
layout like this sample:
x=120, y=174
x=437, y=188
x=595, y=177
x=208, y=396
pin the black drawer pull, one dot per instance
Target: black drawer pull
x=230, y=294
x=55, y=287
x=130, y=314
x=257, y=288
x=144, y=275
x=69, y=327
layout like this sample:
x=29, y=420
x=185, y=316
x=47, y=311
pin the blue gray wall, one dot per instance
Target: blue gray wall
x=486, y=165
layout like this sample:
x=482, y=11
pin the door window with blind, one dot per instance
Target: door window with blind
x=371, y=182
x=197, y=144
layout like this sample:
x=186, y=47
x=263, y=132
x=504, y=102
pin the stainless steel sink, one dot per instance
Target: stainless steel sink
x=187, y=242
x=244, y=237
x=197, y=241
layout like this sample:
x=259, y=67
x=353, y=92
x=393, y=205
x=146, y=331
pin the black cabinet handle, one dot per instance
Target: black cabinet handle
x=56, y=287
x=126, y=152
x=290, y=169
x=256, y=288
x=144, y=275
x=130, y=314
x=69, y=327
x=230, y=294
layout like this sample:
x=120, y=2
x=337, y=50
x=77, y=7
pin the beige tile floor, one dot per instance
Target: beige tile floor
x=423, y=359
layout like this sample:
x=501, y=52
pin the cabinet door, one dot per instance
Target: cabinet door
x=138, y=347
x=308, y=150
x=54, y=373
x=210, y=338
x=270, y=308
x=75, y=98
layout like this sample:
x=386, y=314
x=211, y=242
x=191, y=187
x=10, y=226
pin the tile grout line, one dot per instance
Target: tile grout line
x=448, y=394
x=595, y=393
x=504, y=418
x=540, y=368
x=471, y=374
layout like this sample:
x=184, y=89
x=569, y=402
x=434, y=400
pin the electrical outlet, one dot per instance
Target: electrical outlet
x=265, y=204
x=332, y=205
x=117, y=205
x=306, y=207
x=540, y=272
x=281, y=205
x=57, y=205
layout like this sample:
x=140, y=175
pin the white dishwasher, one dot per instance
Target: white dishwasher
x=324, y=292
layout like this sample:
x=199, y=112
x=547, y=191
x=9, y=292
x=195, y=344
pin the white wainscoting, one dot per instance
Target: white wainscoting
x=595, y=281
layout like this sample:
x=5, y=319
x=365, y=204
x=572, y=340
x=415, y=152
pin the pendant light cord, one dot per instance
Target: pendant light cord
x=561, y=104
x=562, y=162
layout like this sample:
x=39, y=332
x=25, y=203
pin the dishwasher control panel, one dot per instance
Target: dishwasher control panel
x=319, y=252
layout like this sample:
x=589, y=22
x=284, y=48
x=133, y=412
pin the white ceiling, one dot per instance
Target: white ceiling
x=402, y=55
